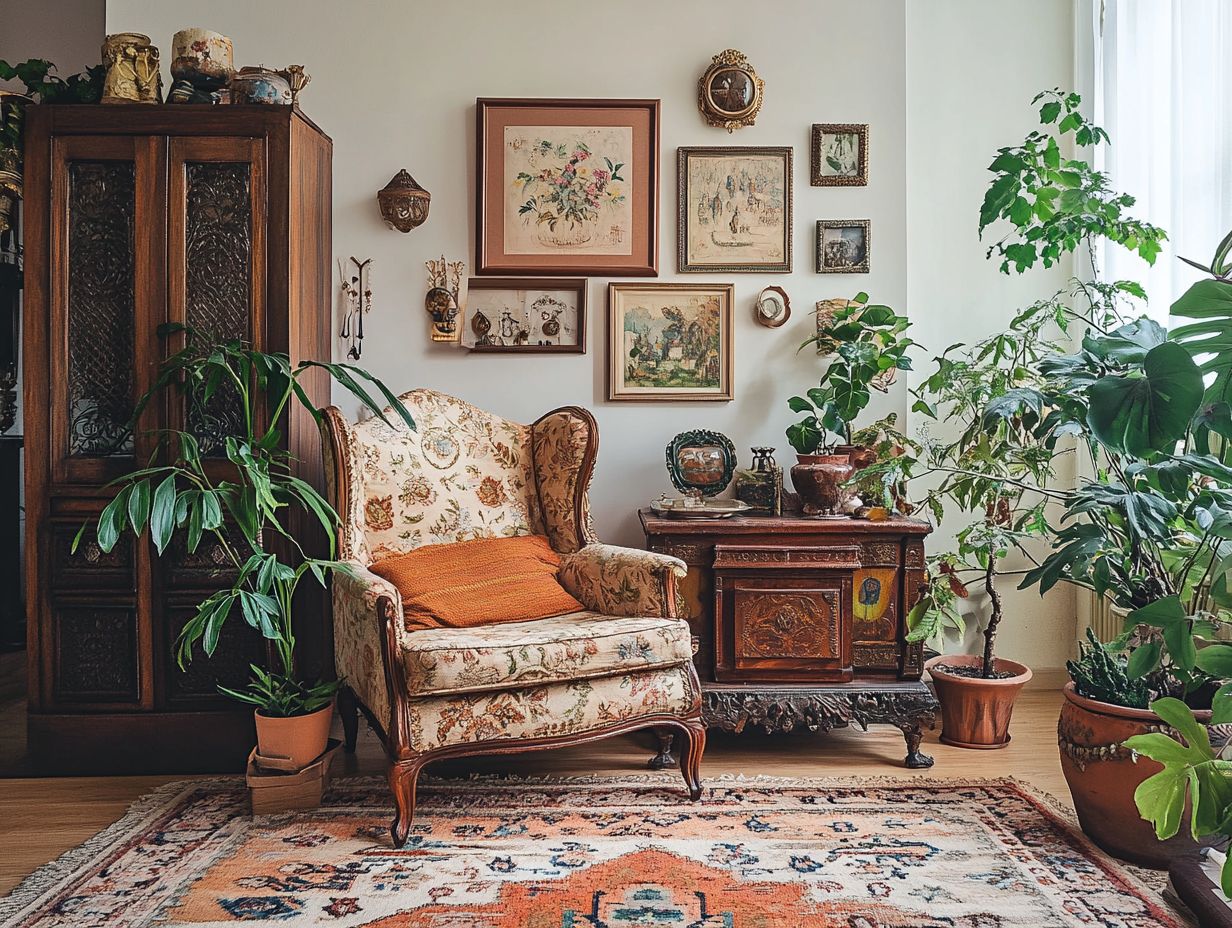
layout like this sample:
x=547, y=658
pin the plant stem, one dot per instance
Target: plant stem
x=994, y=618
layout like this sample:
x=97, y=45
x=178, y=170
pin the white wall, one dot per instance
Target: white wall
x=972, y=68
x=394, y=84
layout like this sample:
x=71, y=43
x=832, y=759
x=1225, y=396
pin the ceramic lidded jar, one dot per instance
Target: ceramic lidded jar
x=260, y=85
x=819, y=479
x=202, y=57
x=132, y=69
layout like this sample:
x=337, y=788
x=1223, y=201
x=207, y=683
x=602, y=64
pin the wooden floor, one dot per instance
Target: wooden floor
x=42, y=818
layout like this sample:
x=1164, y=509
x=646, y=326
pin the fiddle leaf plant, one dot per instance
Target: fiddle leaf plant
x=245, y=510
x=865, y=346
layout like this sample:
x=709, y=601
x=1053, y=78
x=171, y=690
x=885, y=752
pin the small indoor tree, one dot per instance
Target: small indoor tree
x=245, y=511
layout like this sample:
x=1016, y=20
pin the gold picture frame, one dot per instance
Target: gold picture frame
x=670, y=342
x=734, y=202
x=843, y=246
x=839, y=155
x=729, y=93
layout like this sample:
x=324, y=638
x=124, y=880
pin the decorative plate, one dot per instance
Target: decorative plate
x=686, y=508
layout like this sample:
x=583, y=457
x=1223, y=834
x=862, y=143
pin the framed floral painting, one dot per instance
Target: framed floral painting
x=669, y=341
x=567, y=187
x=734, y=209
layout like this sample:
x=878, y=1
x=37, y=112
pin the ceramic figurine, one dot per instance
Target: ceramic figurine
x=297, y=78
x=202, y=58
x=132, y=69
x=260, y=85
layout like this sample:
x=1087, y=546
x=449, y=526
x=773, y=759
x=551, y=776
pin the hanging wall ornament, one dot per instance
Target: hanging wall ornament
x=404, y=204
x=356, y=278
x=442, y=301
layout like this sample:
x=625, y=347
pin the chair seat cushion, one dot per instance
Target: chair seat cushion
x=577, y=646
x=479, y=582
x=552, y=710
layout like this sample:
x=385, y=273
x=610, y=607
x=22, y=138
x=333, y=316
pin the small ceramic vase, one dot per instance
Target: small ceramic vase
x=819, y=479
x=203, y=58
x=132, y=69
x=260, y=85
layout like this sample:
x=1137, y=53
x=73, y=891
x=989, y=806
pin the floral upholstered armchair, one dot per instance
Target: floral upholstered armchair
x=623, y=663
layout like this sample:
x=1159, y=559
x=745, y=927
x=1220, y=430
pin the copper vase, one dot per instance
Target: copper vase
x=819, y=479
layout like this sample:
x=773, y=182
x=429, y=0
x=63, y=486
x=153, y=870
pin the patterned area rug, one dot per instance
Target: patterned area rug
x=597, y=853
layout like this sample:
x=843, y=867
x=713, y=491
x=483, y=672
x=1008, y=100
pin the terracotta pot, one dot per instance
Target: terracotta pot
x=819, y=478
x=975, y=713
x=860, y=456
x=1102, y=777
x=300, y=739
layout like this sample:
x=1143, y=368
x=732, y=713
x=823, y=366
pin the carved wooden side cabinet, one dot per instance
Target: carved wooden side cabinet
x=218, y=217
x=800, y=621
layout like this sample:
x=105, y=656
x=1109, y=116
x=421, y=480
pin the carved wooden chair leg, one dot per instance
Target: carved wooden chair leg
x=912, y=731
x=665, y=758
x=403, y=777
x=691, y=756
x=348, y=711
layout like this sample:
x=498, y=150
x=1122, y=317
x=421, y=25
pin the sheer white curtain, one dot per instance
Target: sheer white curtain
x=1163, y=90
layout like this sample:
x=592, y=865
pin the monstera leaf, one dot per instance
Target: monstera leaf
x=1209, y=339
x=1148, y=412
x=1191, y=769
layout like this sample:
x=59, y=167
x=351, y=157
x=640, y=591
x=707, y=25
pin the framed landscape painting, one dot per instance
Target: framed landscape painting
x=669, y=341
x=520, y=315
x=567, y=187
x=734, y=209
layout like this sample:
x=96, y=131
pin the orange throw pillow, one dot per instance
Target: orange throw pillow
x=480, y=582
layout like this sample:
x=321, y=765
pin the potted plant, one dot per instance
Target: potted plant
x=45, y=87
x=249, y=503
x=996, y=473
x=865, y=348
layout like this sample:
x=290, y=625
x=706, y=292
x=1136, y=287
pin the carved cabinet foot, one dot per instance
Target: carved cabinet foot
x=916, y=760
x=665, y=758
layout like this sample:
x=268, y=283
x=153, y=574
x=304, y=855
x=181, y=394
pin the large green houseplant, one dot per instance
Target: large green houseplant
x=245, y=510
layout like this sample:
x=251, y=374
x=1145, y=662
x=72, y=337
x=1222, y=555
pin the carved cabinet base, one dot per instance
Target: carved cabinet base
x=801, y=622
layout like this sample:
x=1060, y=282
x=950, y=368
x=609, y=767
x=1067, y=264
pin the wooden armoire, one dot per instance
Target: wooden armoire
x=135, y=215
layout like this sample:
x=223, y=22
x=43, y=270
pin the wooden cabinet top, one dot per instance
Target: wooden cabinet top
x=790, y=523
x=166, y=119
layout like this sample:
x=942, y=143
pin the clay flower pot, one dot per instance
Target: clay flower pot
x=1102, y=777
x=819, y=478
x=294, y=742
x=975, y=713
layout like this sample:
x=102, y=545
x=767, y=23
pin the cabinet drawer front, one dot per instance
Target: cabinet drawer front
x=786, y=557
x=781, y=627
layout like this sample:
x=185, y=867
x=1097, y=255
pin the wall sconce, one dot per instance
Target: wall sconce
x=404, y=204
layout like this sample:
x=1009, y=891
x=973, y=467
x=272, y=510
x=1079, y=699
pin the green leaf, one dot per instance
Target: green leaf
x=1143, y=660
x=111, y=520
x=799, y=404
x=1151, y=413
x=1215, y=659
x=139, y=505
x=162, y=513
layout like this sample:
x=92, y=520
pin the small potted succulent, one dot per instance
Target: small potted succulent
x=865, y=348
x=245, y=512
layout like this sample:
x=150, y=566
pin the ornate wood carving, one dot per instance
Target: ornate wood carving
x=218, y=276
x=238, y=646
x=691, y=554
x=837, y=557
x=89, y=566
x=907, y=706
x=101, y=209
x=875, y=655
x=775, y=624
x=880, y=553
x=207, y=566
x=96, y=653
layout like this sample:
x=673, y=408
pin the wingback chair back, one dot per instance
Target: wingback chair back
x=462, y=474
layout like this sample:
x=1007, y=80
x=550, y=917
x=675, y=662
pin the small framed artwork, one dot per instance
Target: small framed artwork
x=842, y=246
x=669, y=341
x=734, y=209
x=518, y=315
x=567, y=187
x=840, y=155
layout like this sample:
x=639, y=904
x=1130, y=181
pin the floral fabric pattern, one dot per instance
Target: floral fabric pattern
x=552, y=710
x=620, y=581
x=461, y=474
x=358, y=628
x=575, y=646
x=560, y=443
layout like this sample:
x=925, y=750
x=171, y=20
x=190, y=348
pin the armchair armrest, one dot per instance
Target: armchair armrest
x=367, y=638
x=622, y=581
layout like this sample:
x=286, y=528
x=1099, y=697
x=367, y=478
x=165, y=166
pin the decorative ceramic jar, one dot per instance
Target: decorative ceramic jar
x=260, y=85
x=404, y=204
x=132, y=69
x=819, y=479
x=202, y=58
